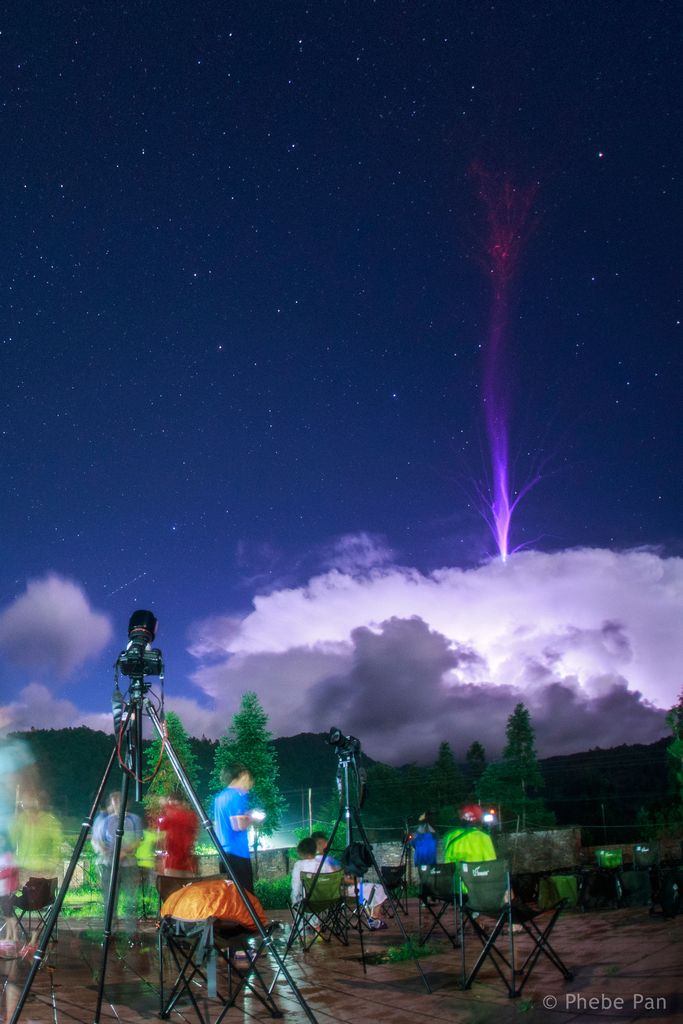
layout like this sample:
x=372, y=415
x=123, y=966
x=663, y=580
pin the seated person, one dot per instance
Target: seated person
x=467, y=842
x=308, y=861
x=322, y=849
x=376, y=894
x=371, y=895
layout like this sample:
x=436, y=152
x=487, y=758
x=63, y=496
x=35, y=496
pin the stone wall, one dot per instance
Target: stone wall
x=528, y=853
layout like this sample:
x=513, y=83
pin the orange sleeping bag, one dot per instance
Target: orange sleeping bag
x=215, y=898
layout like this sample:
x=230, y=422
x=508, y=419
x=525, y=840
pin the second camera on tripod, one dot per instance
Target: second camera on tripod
x=343, y=744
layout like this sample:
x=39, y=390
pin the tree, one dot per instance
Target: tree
x=249, y=742
x=446, y=784
x=166, y=782
x=476, y=766
x=512, y=783
x=674, y=720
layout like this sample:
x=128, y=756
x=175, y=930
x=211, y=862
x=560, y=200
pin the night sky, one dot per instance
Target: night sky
x=246, y=309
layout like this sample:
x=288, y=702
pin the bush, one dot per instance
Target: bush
x=273, y=892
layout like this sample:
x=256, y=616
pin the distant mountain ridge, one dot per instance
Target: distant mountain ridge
x=590, y=787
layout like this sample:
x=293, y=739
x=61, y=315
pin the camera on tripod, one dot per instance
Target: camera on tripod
x=139, y=659
x=343, y=744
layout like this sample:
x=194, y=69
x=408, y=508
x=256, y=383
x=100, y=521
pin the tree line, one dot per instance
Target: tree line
x=603, y=790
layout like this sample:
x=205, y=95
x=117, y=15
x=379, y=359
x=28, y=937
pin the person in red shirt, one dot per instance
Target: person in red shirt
x=180, y=826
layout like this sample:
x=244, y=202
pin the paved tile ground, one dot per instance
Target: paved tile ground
x=626, y=967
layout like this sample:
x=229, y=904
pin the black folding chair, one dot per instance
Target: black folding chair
x=437, y=895
x=36, y=897
x=646, y=861
x=485, y=901
x=322, y=911
x=645, y=856
x=197, y=949
x=395, y=880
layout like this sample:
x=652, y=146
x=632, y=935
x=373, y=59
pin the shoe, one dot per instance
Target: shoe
x=9, y=949
x=244, y=955
x=376, y=924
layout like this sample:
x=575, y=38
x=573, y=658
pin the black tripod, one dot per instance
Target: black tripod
x=346, y=748
x=137, y=661
x=396, y=878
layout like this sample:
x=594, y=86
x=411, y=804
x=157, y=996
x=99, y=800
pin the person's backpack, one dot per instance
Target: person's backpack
x=356, y=859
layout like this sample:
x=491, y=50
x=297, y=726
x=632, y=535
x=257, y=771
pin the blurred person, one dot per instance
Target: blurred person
x=103, y=841
x=16, y=763
x=179, y=825
x=9, y=883
x=146, y=858
x=37, y=837
x=232, y=820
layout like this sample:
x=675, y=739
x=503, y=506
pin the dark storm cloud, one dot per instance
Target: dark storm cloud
x=586, y=638
x=405, y=660
x=402, y=693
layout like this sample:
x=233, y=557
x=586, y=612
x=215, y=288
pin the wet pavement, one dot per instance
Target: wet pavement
x=626, y=966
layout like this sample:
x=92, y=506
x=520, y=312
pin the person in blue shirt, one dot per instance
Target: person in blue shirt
x=232, y=818
x=128, y=876
x=424, y=843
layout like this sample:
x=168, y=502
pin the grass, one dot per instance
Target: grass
x=409, y=950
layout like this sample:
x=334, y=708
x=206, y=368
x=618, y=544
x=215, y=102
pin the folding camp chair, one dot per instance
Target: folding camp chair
x=645, y=856
x=195, y=949
x=609, y=885
x=395, y=881
x=437, y=894
x=358, y=899
x=321, y=913
x=484, y=895
x=36, y=897
x=641, y=886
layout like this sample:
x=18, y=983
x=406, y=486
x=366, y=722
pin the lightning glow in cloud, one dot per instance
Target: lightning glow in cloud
x=586, y=630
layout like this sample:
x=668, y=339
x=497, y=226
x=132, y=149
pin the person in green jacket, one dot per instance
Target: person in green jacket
x=467, y=842
x=37, y=837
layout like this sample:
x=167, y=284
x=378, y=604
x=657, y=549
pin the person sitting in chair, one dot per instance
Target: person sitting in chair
x=322, y=849
x=371, y=895
x=468, y=842
x=376, y=894
x=309, y=861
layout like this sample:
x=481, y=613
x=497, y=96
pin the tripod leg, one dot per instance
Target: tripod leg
x=292, y=936
x=359, y=920
x=57, y=905
x=390, y=897
x=211, y=832
x=112, y=893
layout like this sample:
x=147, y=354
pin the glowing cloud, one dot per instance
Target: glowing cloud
x=587, y=638
x=52, y=627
